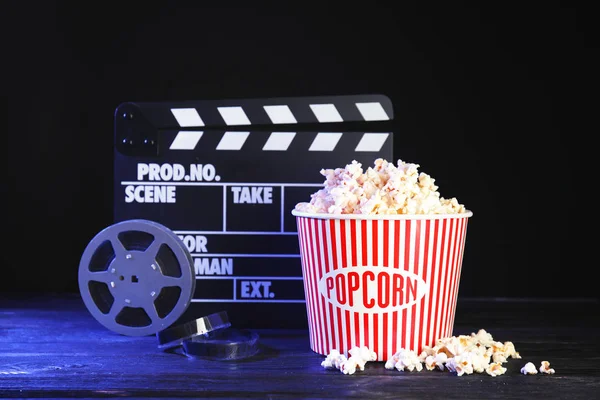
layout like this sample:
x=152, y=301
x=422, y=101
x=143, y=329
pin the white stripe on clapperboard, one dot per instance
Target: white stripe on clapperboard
x=278, y=141
x=280, y=114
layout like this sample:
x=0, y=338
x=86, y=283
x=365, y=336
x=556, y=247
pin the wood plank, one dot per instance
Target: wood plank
x=51, y=346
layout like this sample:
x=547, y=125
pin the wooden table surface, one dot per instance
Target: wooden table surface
x=50, y=346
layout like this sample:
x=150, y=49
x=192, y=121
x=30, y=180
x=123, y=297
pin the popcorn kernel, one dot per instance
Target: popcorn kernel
x=545, y=368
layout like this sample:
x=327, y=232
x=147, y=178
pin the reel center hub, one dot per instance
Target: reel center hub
x=136, y=278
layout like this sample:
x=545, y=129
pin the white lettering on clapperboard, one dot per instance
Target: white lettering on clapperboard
x=177, y=172
x=252, y=195
x=206, y=265
x=150, y=194
x=256, y=289
x=154, y=172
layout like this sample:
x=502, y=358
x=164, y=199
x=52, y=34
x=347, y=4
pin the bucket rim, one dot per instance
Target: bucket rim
x=382, y=217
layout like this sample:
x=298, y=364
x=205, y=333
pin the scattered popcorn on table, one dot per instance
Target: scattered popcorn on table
x=545, y=368
x=431, y=362
x=529, y=369
x=384, y=188
x=461, y=355
x=362, y=355
x=404, y=360
x=510, y=351
x=483, y=337
x=349, y=366
x=334, y=360
x=359, y=356
x=495, y=369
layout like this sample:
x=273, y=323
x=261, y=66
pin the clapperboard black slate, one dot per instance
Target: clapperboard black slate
x=224, y=175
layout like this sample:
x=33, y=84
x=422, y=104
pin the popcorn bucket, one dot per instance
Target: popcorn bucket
x=382, y=281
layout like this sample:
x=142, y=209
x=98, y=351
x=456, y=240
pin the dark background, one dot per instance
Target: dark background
x=487, y=101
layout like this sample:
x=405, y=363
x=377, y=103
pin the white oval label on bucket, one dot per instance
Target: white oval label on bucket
x=372, y=289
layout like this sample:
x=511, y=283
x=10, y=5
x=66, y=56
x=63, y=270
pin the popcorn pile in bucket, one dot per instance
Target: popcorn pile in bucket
x=462, y=355
x=385, y=188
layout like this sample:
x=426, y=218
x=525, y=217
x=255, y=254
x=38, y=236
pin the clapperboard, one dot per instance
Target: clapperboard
x=224, y=175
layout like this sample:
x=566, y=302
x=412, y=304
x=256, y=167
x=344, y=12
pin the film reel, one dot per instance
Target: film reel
x=136, y=277
x=223, y=344
x=176, y=335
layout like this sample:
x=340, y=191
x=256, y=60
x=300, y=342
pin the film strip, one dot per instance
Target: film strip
x=224, y=176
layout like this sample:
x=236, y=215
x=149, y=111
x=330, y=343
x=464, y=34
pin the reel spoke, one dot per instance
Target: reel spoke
x=120, y=250
x=152, y=313
x=101, y=276
x=114, y=311
x=152, y=250
x=169, y=281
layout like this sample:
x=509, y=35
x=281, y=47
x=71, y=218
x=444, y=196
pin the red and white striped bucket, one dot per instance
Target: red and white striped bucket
x=382, y=281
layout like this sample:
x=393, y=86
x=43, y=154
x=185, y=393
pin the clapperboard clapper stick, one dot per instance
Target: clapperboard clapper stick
x=224, y=175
